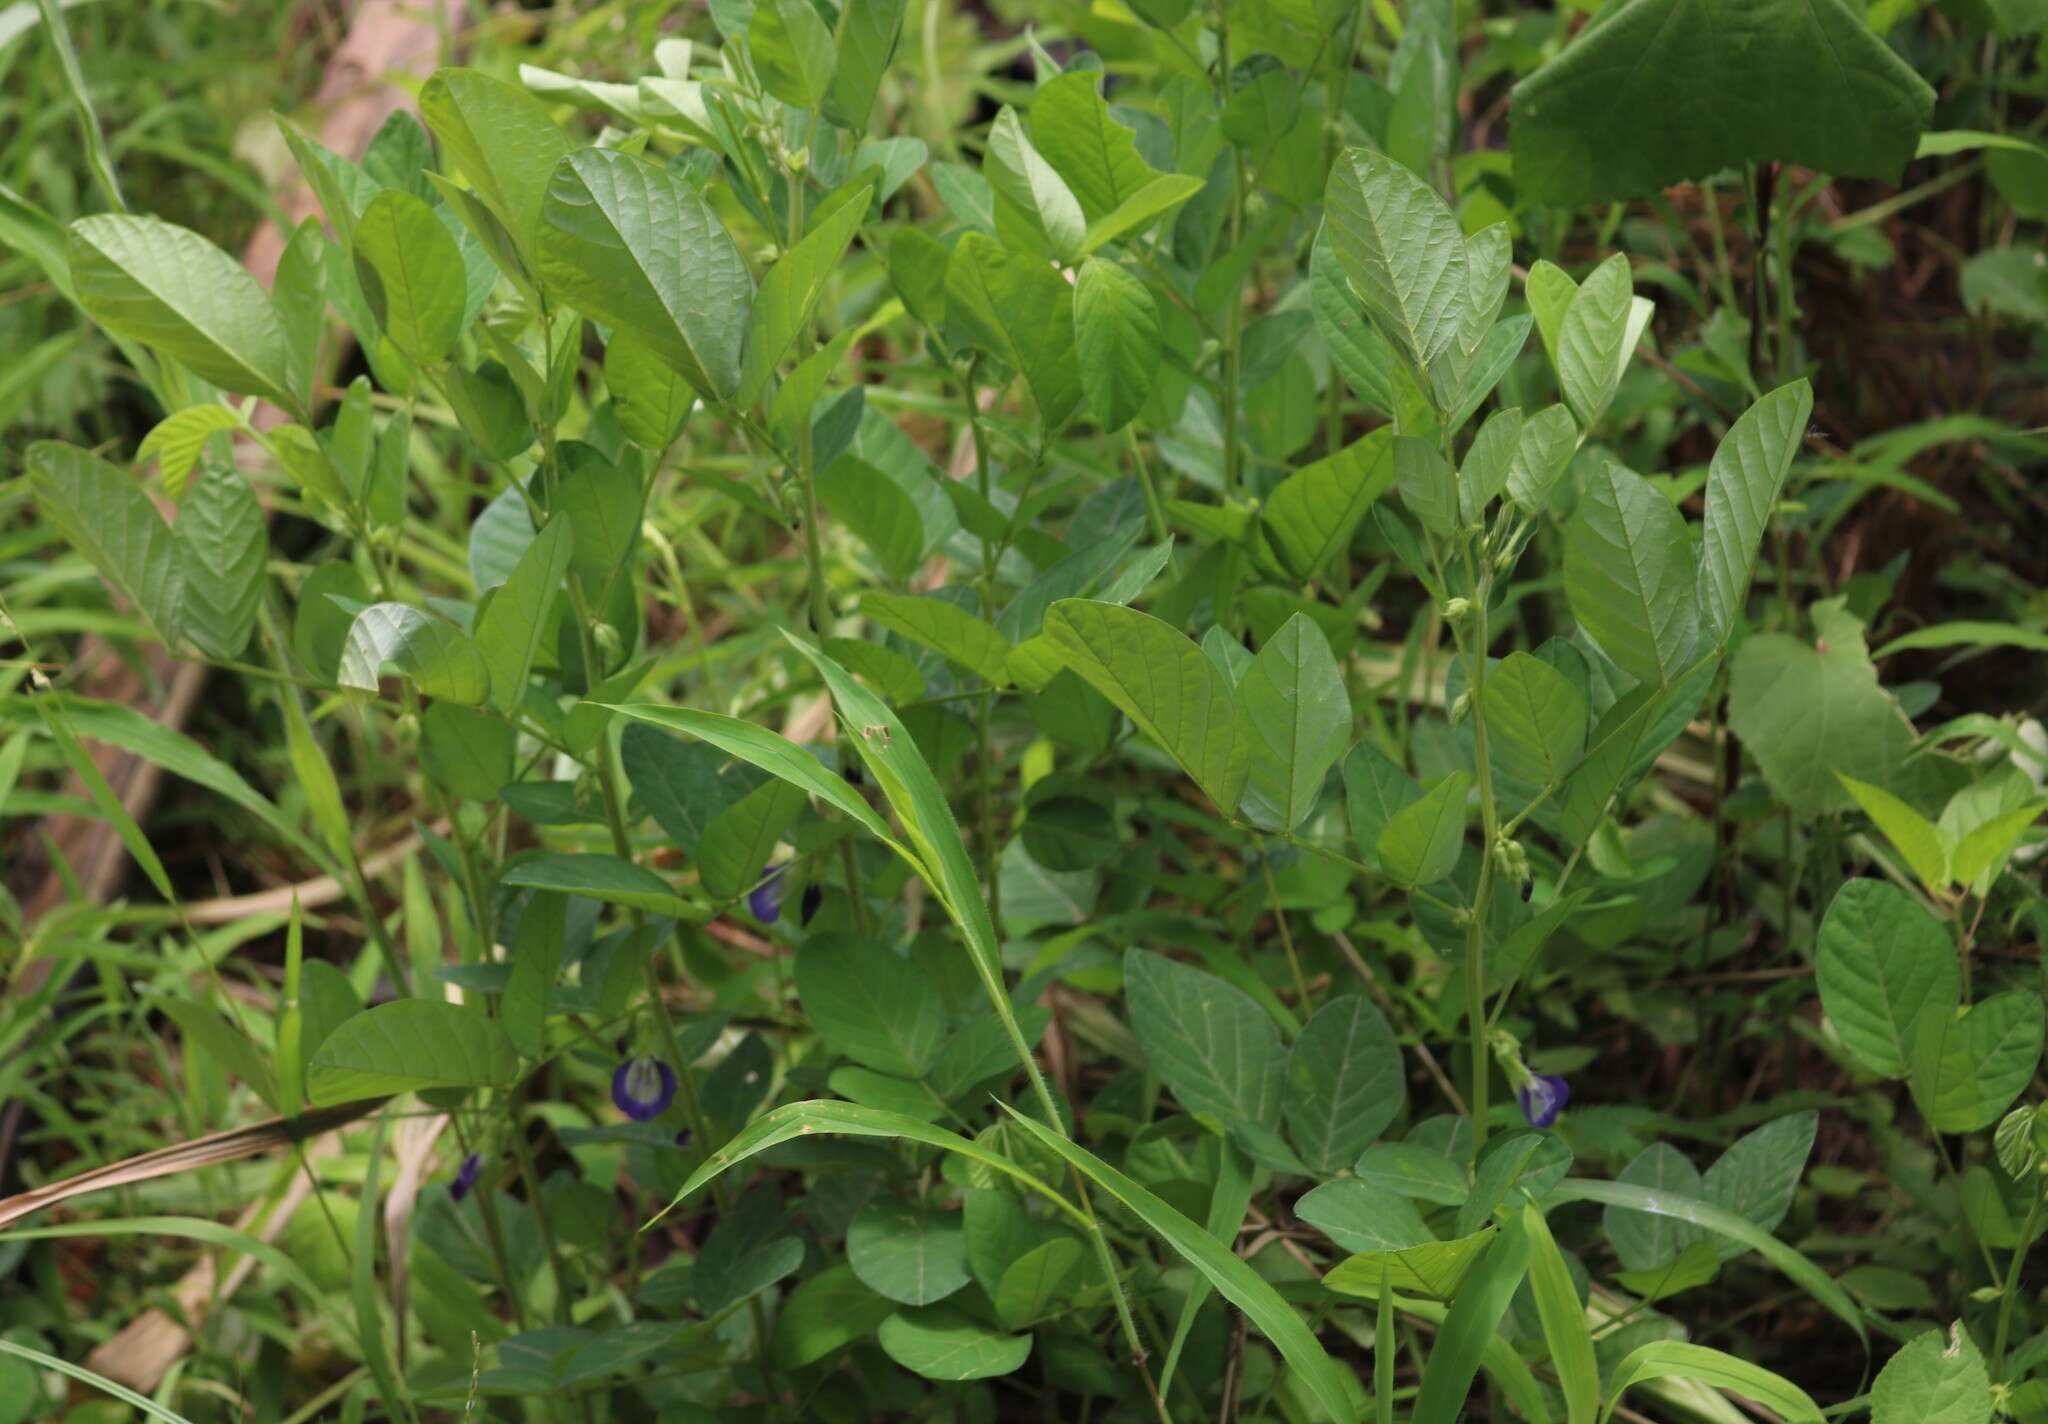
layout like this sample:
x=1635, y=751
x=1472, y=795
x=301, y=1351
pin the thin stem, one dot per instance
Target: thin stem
x=2011, y=1291
x=1286, y=935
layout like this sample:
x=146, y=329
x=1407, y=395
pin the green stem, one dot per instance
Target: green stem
x=2012, y=1286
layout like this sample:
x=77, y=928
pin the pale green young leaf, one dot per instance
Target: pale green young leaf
x=1217, y=1050
x=1096, y=155
x=438, y=656
x=1937, y=1377
x=1536, y=718
x=1136, y=213
x=633, y=244
x=790, y=292
x=170, y=290
x=1744, y=481
x=1591, y=347
x=1419, y=844
x=945, y=627
x=1313, y=512
x=408, y=1045
x=1550, y=290
x=1988, y=844
x=1162, y=682
x=1293, y=700
x=1116, y=338
x=177, y=440
x=1549, y=437
x=104, y=514
x=1881, y=958
x=411, y=274
x=510, y=626
x=501, y=139
x=1915, y=837
x=1628, y=574
x=1033, y=187
x=222, y=548
x=1432, y=1268
x=1402, y=250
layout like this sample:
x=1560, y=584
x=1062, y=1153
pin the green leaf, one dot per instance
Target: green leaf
x=1428, y=485
x=466, y=752
x=1032, y=188
x=1472, y=1324
x=1361, y=354
x=1564, y=1320
x=1233, y=1279
x=179, y=437
x=1915, y=837
x=652, y=401
x=914, y=1255
x=434, y=653
x=945, y=627
x=1657, y=92
x=222, y=549
x=633, y=244
x=1402, y=250
x=790, y=292
x=1345, y=1083
x=1988, y=844
x=1644, y=1241
x=510, y=626
x=878, y=512
x=1484, y=473
x=104, y=515
x=1965, y=1071
x=1162, y=682
x=825, y=1313
x=602, y=877
x=870, y=1003
x=1363, y=1217
x=409, y=1045
x=1591, y=349
x=170, y=290
x=1743, y=485
x=1312, y=514
x=737, y=844
x=1933, y=1379
x=864, y=43
x=1756, y=1177
x=792, y=51
x=1136, y=213
x=1628, y=573
x=206, y=1033
x=1410, y=1170
x=1673, y=1359
x=1116, y=340
x=411, y=274
x=1419, y=844
x=1292, y=698
x=749, y=1250
x=1549, y=437
x=1881, y=958
x=1032, y=1286
x=1095, y=154
x=536, y=961
x=1967, y=634
x=501, y=139
x=943, y=1342
x=1021, y=312
x=1537, y=719
x=1217, y=1050
x=1813, y=712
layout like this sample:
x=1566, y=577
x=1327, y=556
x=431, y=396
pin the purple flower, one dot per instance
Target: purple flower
x=765, y=899
x=1542, y=1098
x=465, y=1176
x=643, y=1088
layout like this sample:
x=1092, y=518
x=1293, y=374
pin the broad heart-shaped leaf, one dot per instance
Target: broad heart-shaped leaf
x=1628, y=573
x=222, y=548
x=1882, y=958
x=501, y=139
x=1235, y=1281
x=1965, y=1071
x=438, y=656
x=411, y=274
x=1655, y=92
x=1292, y=699
x=510, y=625
x=750, y=1249
x=1401, y=248
x=1344, y=1083
x=1936, y=1378
x=944, y=627
x=870, y=1003
x=1034, y=206
x=1095, y=154
x=1419, y=844
x=1363, y=1216
x=1021, y=312
x=1031, y=1286
x=104, y=514
x=1217, y=1050
x=1756, y=1177
x=1314, y=511
x=1536, y=717
x=169, y=289
x=1591, y=349
x=633, y=244
x=602, y=877
x=1160, y=680
x=789, y=293
x=1811, y=712
x=1743, y=483
x=943, y=1342
x=408, y=1045
x=1116, y=336
x=1643, y=1241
